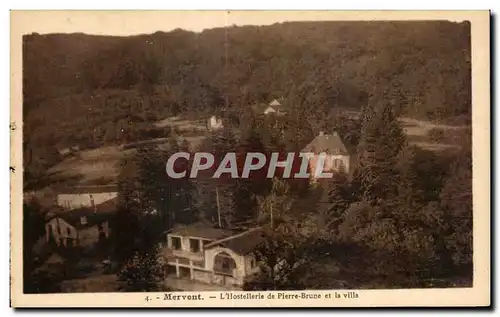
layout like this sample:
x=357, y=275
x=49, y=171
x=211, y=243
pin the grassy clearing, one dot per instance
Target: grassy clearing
x=423, y=133
x=100, y=166
x=182, y=124
x=92, y=166
x=414, y=127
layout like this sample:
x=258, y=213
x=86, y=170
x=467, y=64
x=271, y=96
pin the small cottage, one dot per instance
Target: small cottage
x=337, y=157
x=275, y=107
x=82, y=227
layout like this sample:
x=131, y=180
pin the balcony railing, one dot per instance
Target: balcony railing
x=194, y=256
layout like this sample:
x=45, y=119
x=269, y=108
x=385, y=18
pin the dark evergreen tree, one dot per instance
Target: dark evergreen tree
x=142, y=272
x=33, y=231
x=410, y=195
x=339, y=195
x=381, y=142
x=456, y=199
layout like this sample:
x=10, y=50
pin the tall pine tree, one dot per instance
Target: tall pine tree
x=381, y=142
x=339, y=195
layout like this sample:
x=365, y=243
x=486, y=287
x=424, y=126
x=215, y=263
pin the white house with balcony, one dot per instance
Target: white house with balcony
x=211, y=255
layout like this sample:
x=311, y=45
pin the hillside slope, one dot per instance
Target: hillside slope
x=88, y=89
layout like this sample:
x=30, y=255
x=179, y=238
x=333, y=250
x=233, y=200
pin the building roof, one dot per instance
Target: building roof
x=201, y=230
x=275, y=104
x=241, y=243
x=102, y=212
x=53, y=210
x=89, y=189
x=278, y=104
x=92, y=218
x=330, y=143
x=107, y=206
x=260, y=107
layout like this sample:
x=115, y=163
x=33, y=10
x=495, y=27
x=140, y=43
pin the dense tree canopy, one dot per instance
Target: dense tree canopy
x=404, y=212
x=71, y=81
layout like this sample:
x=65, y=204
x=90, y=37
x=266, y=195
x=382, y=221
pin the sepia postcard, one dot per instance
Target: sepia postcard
x=250, y=159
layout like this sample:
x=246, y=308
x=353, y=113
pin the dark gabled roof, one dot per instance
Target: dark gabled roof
x=74, y=217
x=330, y=143
x=102, y=212
x=107, y=206
x=201, y=230
x=52, y=211
x=88, y=189
x=242, y=243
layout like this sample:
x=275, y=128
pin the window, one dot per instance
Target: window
x=69, y=231
x=194, y=245
x=337, y=163
x=224, y=263
x=253, y=263
x=176, y=243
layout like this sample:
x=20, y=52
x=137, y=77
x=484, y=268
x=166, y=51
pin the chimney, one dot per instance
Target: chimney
x=321, y=133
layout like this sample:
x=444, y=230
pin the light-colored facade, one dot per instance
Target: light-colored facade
x=82, y=227
x=336, y=156
x=86, y=196
x=215, y=123
x=332, y=163
x=70, y=233
x=205, y=258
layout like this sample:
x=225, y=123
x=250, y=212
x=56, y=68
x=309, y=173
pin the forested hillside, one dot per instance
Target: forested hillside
x=84, y=89
x=401, y=217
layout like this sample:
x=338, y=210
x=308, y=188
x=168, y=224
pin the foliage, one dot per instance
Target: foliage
x=33, y=230
x=285, y=256
x=405, y=216
x=277, y=204
x=91, y=90
x=382, y=140
x=339, y=195
x=142, y=273
x=456, y=199
x=149, y=201
x=410, y=212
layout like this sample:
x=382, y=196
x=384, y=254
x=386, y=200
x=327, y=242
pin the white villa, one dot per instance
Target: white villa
x=211, y=255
